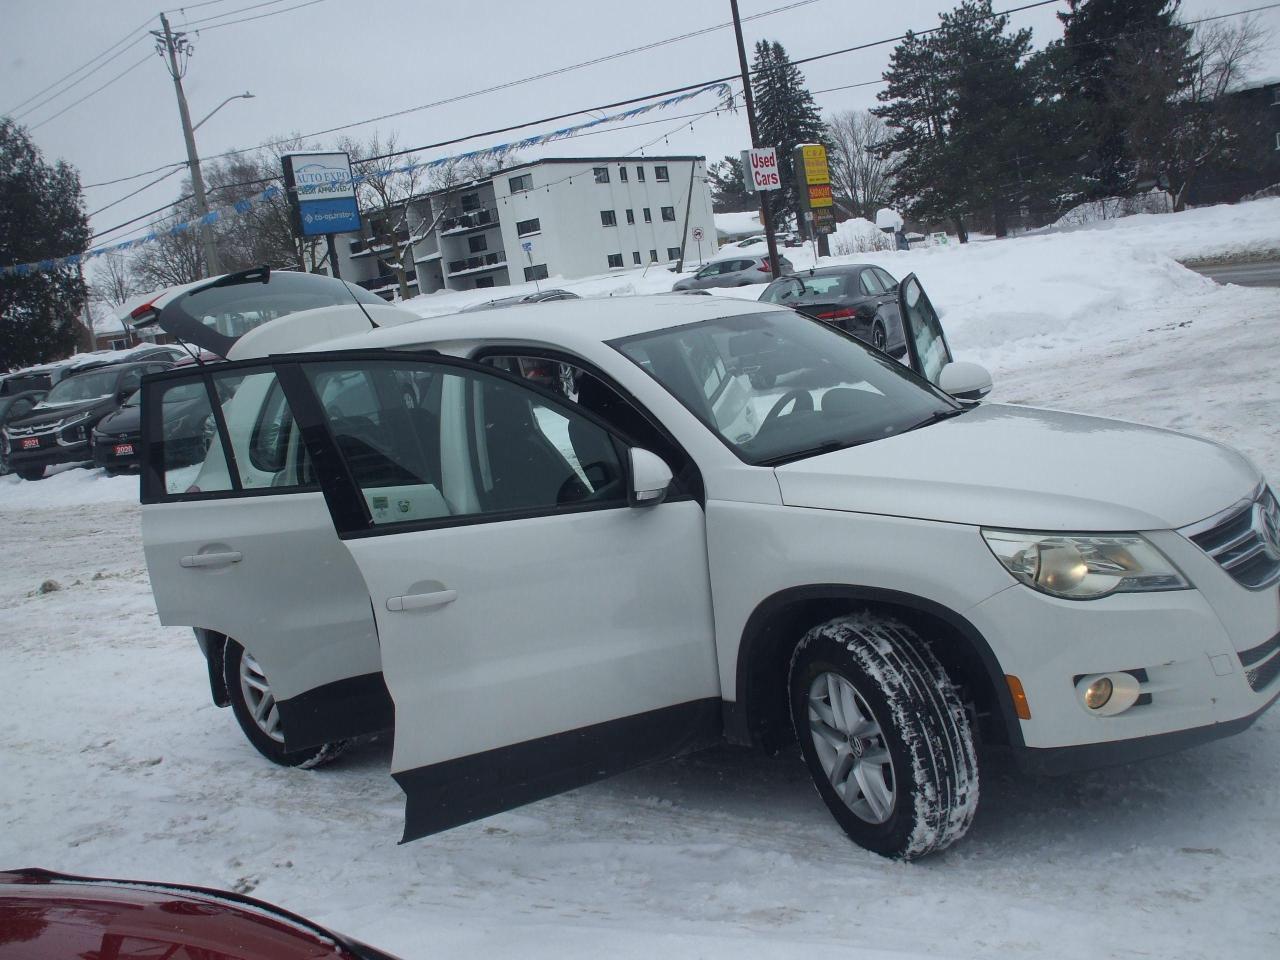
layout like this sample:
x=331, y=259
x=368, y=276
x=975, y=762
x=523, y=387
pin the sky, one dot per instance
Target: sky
x=316, y=64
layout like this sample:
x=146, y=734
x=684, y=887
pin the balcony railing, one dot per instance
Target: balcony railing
x=387, y=280
x=488, y=261
x=471, y=220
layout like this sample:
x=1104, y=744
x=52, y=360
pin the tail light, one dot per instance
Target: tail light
x=843, y=313
x=765, y=267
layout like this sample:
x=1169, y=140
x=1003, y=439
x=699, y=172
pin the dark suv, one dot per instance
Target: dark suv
x=58, y=429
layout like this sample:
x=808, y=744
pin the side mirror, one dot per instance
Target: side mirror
x=650, y=477
x=965, y=381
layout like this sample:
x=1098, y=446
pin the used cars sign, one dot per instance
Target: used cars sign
x=322, y=192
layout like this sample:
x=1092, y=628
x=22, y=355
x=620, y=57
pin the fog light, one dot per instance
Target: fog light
x=1106, y=694
x=1098, y=693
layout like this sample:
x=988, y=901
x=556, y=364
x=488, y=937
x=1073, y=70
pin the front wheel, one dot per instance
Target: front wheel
x=884, y=735
x=255, y=708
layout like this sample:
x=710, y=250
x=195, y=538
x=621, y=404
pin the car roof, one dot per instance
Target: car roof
x=568, y=323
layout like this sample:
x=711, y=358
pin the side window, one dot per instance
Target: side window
x=921, y=322
x=886, y=280
x=783, y=292
x=190, y=456
x=426, y=441
x=266, y=445
x=870, y=283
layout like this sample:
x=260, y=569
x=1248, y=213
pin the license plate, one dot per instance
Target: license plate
x=30, y=443
x=124, y=449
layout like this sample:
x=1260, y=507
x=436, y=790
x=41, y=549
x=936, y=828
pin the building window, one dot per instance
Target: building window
x=622, y=174
x=608, y=218
x=660, y=174
x=639, y=174
x=673, y=253
x=526, y=227
x=635, y=257
x=631, y=216
x=478, y=243
x=653, y=256
x=537, y=272
x=669, y=214
x=601, y=174
x=615, y=260
x=484, y=282
x=648, y=217
x=521, y=183
x=471, y=201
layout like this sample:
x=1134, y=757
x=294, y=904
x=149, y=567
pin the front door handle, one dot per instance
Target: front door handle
x=421, y=601
x=212, y=559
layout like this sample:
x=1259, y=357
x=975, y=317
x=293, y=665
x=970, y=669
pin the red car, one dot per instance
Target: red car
x=53, y=916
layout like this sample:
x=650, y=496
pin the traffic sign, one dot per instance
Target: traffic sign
x=697, y=233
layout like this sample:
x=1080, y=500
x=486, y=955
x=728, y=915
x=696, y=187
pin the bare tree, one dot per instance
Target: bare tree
x=859, y=172
x=113, y=281
x=173, y=258
x=1181, y=114
x=388, y=184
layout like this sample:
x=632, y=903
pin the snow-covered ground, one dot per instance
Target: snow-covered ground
x=113, y=761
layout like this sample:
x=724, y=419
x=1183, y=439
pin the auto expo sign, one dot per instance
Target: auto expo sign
x=762, y=166
x=322, y=191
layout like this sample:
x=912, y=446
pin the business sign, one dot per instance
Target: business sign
x=813, y=164
x=938, y=239
x=322, y=192
x=760, y=169
x=819, y=195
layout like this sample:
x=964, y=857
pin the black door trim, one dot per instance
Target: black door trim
x=449, y=794
x=341, y=710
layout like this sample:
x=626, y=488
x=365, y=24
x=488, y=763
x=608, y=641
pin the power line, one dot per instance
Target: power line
x=195, y=24
x=13, y=111
x=147, y=186
x=75, y=83
x=92, y=92
x=195, y=6
x=132, y=176
x=261, y=16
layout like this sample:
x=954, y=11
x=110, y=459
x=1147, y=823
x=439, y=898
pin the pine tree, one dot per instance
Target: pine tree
x=786, y=117
x=1102, y=40
x=729, y=193
x=41, y=218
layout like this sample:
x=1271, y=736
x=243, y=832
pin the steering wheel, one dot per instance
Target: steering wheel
x=803, y=399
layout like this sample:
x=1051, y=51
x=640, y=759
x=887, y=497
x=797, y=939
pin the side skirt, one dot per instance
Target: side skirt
x=449, y=794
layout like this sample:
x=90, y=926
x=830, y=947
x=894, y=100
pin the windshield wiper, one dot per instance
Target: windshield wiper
x=825, y=447
x=936, y=417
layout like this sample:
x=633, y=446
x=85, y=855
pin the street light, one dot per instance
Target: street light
x=239, y=96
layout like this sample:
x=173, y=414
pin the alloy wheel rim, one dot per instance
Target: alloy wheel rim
x=851, y=747
x=259, y=699
x=878, y=338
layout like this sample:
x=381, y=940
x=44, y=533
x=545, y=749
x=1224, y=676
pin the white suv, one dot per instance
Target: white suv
x=573, y=537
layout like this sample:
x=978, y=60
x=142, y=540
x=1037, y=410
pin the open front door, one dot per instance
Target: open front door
x=926, y=343
x=537, y=632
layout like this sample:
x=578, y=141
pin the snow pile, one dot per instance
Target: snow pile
x=859, y=235
x=741, y=223
x=67, y=486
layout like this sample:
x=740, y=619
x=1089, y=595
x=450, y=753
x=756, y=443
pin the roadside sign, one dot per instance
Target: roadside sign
x=761, y=166
x=322, y=192
x=813, y=163
x=526, y=245
x=697, y=233
x=938, y=239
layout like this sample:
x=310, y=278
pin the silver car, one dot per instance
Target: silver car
x=736, y=271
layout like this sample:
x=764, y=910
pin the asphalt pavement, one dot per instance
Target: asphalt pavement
x=1262, y=273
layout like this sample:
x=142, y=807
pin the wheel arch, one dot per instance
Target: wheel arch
x=759, y=716
x=214, y=647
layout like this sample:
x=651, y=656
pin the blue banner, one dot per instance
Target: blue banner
x=338, y=215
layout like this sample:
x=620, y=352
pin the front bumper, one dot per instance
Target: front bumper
x=106, y=451
x=1196, y=653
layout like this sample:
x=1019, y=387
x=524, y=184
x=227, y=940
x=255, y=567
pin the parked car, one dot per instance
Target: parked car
x=138, y=354
x=540, y=296
x=857, y=297
x=15, y=406
x=53, y=916
x=734, y=272
x=58, y=429
x=568, y=583
x=40, y=377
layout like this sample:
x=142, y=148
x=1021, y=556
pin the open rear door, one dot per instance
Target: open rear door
x=537, y=631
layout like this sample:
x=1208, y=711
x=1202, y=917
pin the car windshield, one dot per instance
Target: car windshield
x=86, y=386
x=779, y=386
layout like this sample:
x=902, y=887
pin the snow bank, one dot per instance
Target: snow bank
x=67, y=486
x=738, y=223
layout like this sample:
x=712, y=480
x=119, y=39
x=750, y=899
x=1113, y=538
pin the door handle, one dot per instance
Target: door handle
x=421, y=601
x=212, y=559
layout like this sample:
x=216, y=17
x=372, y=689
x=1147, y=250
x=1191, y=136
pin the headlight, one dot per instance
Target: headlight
x=1081, y=566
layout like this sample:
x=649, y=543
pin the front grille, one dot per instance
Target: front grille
x=1246, y=542
x=1261, y=663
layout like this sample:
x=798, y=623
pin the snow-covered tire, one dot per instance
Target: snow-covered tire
x=904, y=782
x=266, y=741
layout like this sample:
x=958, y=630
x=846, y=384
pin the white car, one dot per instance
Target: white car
x=660, y=548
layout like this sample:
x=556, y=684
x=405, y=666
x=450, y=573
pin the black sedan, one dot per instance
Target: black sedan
x=57, y=430
x=858, y=297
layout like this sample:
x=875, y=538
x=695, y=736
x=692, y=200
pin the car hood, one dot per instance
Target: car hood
x=41, y=415
x=1027, y=468
x=124, y=420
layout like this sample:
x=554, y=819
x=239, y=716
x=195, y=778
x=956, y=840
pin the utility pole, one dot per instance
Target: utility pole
x=755, y=138
x=170, y=45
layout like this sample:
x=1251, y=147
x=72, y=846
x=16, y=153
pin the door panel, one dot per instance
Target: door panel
x=564, y=635
x=926, y=343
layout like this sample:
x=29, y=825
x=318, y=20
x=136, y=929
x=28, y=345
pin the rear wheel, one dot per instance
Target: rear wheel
x=878, y=338
x=884, y=735
x=259, y=716
x=30, y=473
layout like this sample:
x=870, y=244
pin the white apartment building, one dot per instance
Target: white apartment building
x=568, y=217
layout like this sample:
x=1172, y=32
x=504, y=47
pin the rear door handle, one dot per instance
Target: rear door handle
x=212, y=559
x=421, y=601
